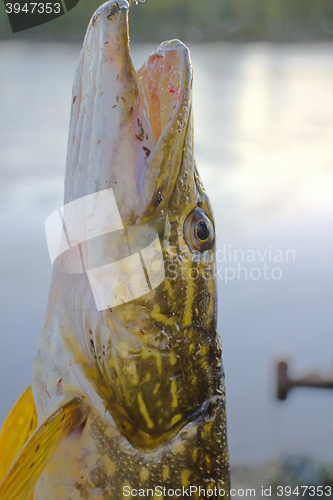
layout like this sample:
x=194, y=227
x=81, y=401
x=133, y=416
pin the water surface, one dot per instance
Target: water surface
x=264, y=129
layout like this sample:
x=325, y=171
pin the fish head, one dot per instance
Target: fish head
x=141, y=321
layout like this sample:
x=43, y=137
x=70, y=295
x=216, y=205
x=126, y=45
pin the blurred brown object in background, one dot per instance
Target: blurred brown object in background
x=284, y=383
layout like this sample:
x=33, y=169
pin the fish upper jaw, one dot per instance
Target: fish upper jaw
x=107, y=104
x=127, y=129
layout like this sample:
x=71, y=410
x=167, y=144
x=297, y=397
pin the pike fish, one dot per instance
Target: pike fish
x=128, y=394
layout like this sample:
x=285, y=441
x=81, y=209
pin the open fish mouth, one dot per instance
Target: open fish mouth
x=151, y=342
x=126, y=145
x=127, y=128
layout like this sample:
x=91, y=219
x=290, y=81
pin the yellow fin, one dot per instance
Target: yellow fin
x=37, y=451
x=18, y=427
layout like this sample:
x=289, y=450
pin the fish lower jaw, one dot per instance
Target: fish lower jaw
x=132, y=435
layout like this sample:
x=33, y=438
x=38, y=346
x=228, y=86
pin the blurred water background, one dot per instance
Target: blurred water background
x=263, y=140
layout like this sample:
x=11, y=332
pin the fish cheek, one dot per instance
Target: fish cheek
x=147, y=392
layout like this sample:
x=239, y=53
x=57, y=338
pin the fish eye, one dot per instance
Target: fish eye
x=199, y=231
x=202, y=231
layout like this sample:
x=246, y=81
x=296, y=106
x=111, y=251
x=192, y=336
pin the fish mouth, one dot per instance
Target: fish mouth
x=128, y=128
x=129, y=132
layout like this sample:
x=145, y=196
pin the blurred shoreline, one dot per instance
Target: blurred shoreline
x=283, y=478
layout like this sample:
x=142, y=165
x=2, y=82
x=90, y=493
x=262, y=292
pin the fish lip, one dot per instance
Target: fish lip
x=166, y=157
x=118, y=5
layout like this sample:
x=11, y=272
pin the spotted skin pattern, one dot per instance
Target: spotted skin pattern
x=105, y=463
x=171, y=427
